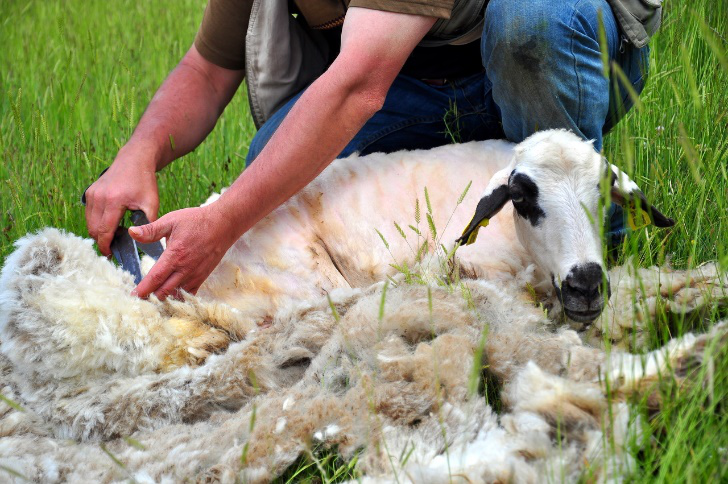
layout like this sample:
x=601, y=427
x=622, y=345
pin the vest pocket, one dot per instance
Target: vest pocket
x=638, y=19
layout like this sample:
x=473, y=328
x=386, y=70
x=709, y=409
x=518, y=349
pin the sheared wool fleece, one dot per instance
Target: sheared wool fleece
x=288, y=349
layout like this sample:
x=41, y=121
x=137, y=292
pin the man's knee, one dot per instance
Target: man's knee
x=530, y=36
x=545, y=65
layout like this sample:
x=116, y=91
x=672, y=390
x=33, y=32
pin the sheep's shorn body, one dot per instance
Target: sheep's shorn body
x=295, y=343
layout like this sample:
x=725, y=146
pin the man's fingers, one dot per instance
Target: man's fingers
x=151, y=232
x=195, y=286
x=157, y=277
x=107, y=228
x=186, y=262
x=151, y=210
x=103, y=240
x=102, y=218
x=192, y=285
x=170, y=287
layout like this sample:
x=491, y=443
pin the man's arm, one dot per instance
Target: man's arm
x=184, y=109
x=333, y=109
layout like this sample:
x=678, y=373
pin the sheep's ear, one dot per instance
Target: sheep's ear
x=496, y=195
x=628, y=195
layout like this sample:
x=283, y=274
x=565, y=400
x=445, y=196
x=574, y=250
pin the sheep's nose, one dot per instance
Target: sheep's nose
x=581, y=292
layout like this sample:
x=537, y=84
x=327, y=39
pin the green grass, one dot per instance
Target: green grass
x=75, y=77
x=74, y=80
x=677, y=144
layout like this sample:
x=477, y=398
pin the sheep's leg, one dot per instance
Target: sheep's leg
x=516, y=341
x=559, y=354
x=579, y=405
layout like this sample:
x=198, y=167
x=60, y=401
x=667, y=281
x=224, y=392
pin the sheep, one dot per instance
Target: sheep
x=288, y=347
x=314, y=242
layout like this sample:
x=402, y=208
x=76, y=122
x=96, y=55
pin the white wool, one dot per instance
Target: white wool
x=679, y=292
x=348, y=365
x=329, y=432
x=236, y=383
x=281, y=424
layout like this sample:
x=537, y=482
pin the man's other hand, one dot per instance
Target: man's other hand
x=128, y=184
x=197, y=239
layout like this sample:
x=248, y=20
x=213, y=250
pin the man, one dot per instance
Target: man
x=537, y=65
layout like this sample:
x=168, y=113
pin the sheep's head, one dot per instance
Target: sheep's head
x=554, y=182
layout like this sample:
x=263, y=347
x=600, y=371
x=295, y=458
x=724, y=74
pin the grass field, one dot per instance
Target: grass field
x=75, y=77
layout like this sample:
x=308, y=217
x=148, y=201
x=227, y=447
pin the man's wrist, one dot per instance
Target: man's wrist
x=225, y=214
x=145, y=155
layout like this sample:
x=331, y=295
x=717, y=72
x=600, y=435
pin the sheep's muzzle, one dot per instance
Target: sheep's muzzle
x=582, y=292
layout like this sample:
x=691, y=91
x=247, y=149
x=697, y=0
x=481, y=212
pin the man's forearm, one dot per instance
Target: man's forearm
x=182, y=112
x=315, y=131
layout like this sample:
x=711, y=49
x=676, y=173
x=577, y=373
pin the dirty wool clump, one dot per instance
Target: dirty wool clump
x=101, y=386
x=652, y=291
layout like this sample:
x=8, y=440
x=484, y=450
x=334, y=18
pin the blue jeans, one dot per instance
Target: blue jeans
x=543, y=69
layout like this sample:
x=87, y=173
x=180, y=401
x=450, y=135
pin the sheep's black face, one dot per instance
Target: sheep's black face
x=554, y=182
x=582, y=292
x=556, y=214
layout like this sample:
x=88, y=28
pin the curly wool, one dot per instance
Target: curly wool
x=395, y=386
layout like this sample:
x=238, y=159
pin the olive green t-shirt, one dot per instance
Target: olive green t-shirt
x=221, y=38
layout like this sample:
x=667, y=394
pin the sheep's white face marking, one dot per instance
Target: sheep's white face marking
x=553, y=182
x=554, y=187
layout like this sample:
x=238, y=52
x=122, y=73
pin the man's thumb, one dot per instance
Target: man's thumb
x=151, y=232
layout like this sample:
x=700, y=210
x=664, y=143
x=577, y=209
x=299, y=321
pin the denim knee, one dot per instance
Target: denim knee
x=541, y=23
x=544, y=61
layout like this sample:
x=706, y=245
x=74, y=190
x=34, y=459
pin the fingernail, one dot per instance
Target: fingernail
x=134, y=292
x=135, y=230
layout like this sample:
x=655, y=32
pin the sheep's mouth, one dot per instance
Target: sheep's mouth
x=583, y=316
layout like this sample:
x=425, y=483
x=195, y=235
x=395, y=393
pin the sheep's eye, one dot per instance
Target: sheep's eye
x=517, y=198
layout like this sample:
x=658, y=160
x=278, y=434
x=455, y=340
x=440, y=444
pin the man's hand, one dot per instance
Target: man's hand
x=197, y=239
x=128, y=184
